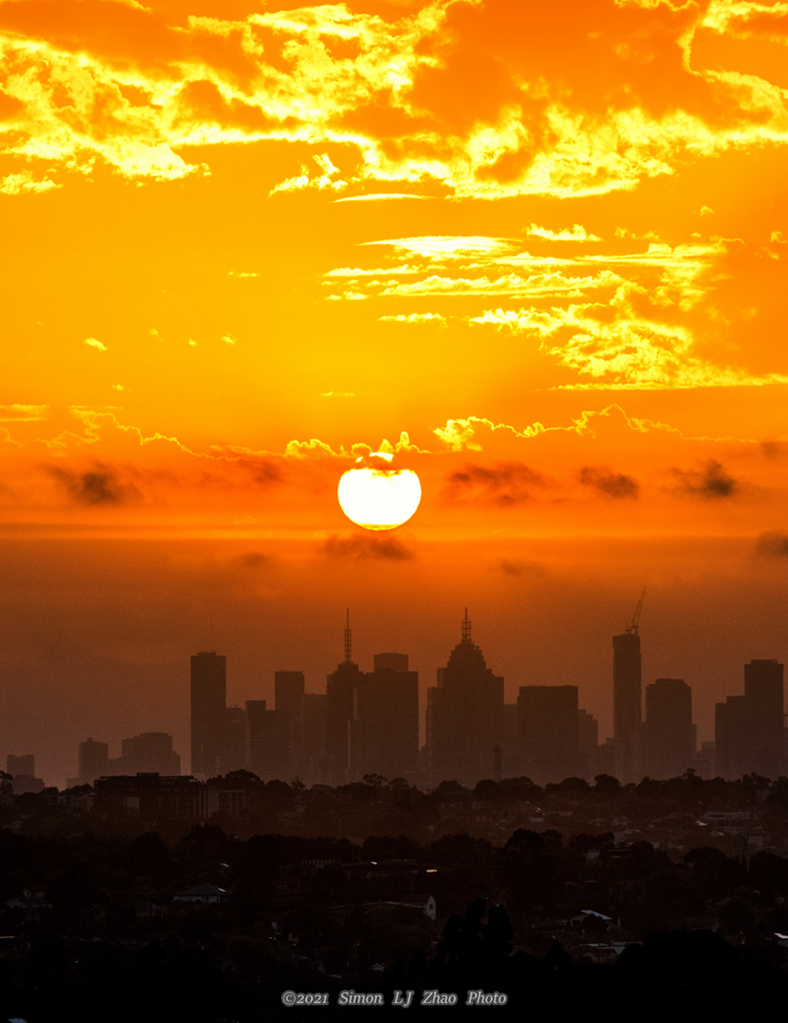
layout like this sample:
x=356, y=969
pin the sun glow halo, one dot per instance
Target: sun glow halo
x=379, y=498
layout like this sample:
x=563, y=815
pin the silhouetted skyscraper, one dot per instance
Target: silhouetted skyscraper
x=147, y=753
x=511, y=753
x=232, y=753
x=208, y=705
x=340, y=687
x=731, y=738
x=315, y=762
x=93, y=761
x=588, y=741
x=289, y=691
x=627, y=700
x=24, y=765
x=464, y=716
x=763, y=689
x=668, y=745
x=23, y=770
x=390, y=662
x=750, y=729
x=610, y=758
x=385, y=725
x=547, y=720
x=267, y=742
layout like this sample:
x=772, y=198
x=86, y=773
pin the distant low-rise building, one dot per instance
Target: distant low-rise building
x=148, y=795
x=23, y=770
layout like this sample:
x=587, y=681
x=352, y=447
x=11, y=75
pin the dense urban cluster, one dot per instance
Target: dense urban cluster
x=315, y=847
x=368, y=722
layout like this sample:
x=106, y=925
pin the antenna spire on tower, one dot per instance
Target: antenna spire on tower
x=466, y=628
x=348, y=636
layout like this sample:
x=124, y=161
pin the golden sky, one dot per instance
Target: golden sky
x=538, y=251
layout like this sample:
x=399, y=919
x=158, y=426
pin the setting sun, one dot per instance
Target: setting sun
x=379, y=498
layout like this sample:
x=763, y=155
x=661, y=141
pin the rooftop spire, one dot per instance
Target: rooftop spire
x=466, y=628
x=348, y=637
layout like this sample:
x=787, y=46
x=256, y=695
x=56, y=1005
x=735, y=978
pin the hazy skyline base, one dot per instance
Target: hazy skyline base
x=98, y=634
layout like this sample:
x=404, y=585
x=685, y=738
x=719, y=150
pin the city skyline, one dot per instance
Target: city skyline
x=654, y=742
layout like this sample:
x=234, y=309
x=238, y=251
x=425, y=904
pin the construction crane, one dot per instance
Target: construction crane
x=632, y=627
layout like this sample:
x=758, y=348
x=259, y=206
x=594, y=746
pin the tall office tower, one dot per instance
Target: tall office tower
x=588, y=740
x=750, y=729
x=706, y=760
x=610, y=758
x=668, y=742
x=763, y=689
x=627, y=700
x=340, y=687
x=24, y=765
x=208, y=704
x=384, y=735
x=232, y=753
x=289, y=691
x=731, y=738
x=267, y=742
x=148, y=753
x=511, y=757
x=464, y=716
x=548, y=731
x=93, y=761
x=315, y=764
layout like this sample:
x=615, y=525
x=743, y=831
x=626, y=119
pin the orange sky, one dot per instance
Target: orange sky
x=538, y=249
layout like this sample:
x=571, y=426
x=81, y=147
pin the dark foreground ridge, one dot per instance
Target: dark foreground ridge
x=104, y=918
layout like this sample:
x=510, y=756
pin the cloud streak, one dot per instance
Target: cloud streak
x=773, y=545
x=711, y=483
x=610, y=484
x=361, y=546
x=502, y=485
x=100, y=486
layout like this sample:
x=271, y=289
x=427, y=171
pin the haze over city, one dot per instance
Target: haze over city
x=314, y=758
x=535, y=255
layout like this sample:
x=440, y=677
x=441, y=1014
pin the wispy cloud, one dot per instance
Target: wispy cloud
x=436, y=318
x=773, y=545
x=502, y=485
x=577, y=233
x=23, y=413
x=712, y=482
x=611, y=484
x=382, y=197
x=100, y=486
x=367, y=545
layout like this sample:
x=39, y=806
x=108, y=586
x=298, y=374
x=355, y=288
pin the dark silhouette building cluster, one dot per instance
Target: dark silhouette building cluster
x=367, y=723
x=147, y=753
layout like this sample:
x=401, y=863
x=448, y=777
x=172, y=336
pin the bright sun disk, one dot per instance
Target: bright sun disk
x=379, y=498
